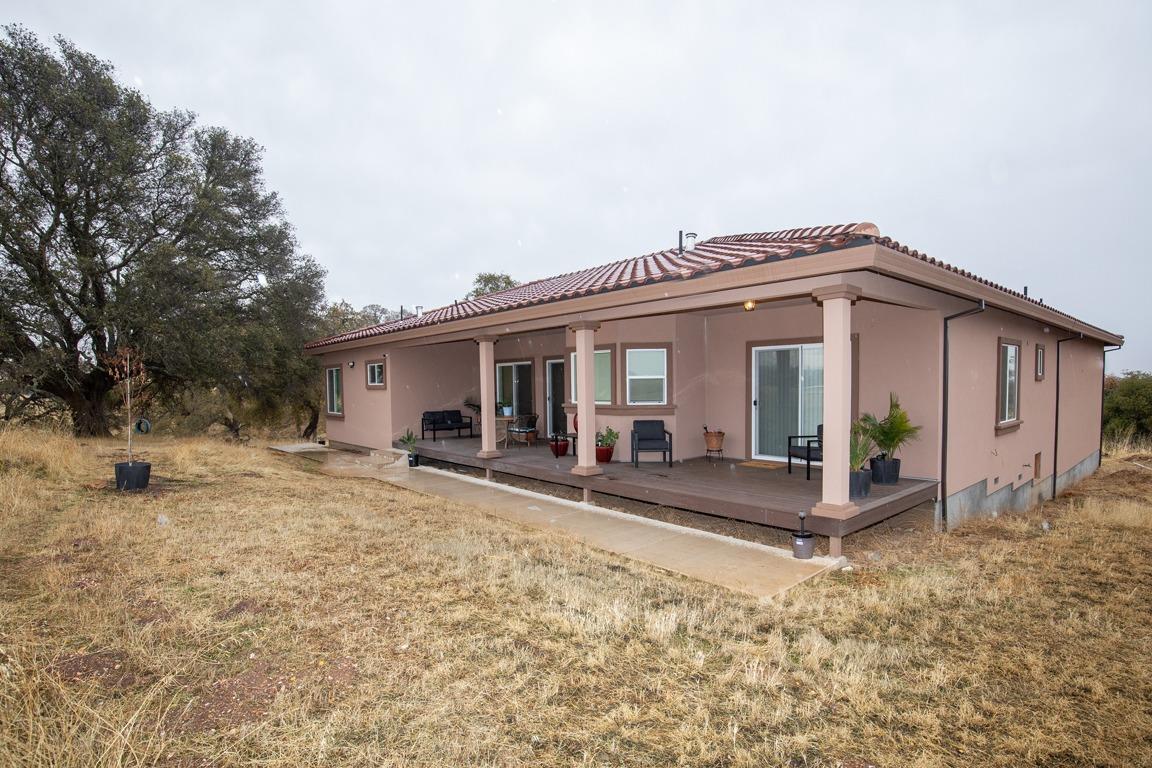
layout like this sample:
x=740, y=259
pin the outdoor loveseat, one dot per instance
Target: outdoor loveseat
x=445, y=421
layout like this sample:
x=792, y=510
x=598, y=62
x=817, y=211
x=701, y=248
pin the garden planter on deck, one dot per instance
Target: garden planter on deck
x=604, y=454
x=133, y=476
x=559, y=447
x=885, y=471
x=859, y=483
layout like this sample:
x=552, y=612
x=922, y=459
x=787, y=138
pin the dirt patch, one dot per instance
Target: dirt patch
x=110, y=668
x=240, y=608
x=149, y=611
x=236, y=700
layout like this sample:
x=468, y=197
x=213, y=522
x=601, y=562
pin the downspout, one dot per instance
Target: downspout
x=1056, y=429
x=943, y=505
x=1103, y=382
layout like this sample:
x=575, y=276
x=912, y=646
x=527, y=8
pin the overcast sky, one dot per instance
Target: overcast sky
x=416, y=144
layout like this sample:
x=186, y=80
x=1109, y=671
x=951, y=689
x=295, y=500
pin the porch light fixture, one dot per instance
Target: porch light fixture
x=749, y=305
x=351, y=363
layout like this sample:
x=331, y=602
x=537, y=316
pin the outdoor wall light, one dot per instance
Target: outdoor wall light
x=351, y=363
x=750, y=305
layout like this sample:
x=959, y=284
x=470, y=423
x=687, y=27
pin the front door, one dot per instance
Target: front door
x=557, y=419
x=787, y=396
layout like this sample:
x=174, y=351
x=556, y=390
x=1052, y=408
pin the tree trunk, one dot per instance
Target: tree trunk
x=313, y=421
x=89, y=414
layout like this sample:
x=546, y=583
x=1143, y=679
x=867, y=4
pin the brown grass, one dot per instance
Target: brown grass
x=281, y=617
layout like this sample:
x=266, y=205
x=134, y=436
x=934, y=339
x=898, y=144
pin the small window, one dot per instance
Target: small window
x=335, y=392
x=602, y=364
x=1008, y=386
x=647, y=372
x=375, y=372
x=1039, y=362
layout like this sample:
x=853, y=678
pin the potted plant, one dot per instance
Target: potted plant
x=559, y=445
x=890, y=434
x=860, y=447
x=131, y=475
x=606, y=444
x=803, y=541
x=409, y=443
x=713, y=440
x=505, y=408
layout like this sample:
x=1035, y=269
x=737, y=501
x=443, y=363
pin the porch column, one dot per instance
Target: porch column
x=487, y=346
x=585, y=374
x=837, y=303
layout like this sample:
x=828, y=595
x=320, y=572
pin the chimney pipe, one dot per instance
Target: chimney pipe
x=689, y=241
x=419, y=310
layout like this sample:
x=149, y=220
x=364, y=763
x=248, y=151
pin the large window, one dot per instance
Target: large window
x=374, y=369
x=1008, y=385
x=647, y=376
x=335, y=392
x=602, y=364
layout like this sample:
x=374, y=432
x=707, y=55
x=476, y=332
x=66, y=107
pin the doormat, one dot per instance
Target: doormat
x=764, y=464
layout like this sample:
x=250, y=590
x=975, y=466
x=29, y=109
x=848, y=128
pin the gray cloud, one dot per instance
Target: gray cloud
x=416, y=144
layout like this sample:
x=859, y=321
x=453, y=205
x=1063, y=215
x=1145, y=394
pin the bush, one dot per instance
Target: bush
x=1128, y=405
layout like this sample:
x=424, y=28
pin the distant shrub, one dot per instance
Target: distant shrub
x=1128, y=405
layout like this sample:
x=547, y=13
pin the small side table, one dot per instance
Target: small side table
x=710, y=452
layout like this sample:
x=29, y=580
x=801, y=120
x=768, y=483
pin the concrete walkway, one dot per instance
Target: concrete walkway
x=754, y=569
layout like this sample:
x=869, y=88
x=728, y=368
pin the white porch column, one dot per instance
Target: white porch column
x=585, y=374
x=837, y=302
x=487, y=346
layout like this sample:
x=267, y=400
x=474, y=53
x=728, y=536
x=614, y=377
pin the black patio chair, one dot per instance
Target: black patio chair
x=650, y=435
x=812, y=449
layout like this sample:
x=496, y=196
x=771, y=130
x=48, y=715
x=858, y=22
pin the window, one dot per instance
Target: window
x=1039, y=362
x=647, y=374
x=602, y=364
x=514, y=386
x=374, y=369
x=1008, y=385
x=335, y=392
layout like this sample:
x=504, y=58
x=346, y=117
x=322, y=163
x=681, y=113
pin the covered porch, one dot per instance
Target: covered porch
x=729, y=488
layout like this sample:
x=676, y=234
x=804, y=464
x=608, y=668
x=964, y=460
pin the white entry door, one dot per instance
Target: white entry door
x=787, y=396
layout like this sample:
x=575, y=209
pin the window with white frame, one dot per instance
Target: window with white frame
x=375, y=372
x=1008, y=386
x=647, y=376
x=335, y=391
x=602, y=367
x=1040, y=362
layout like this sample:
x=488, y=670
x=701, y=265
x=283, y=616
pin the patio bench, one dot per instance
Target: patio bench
x=445, y=421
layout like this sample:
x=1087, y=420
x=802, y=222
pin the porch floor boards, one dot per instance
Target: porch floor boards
x=719, y=487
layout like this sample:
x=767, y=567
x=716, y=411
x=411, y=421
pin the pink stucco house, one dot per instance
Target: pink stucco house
x=763, y=336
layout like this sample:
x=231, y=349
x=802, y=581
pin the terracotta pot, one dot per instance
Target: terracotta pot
x=559, y=447
x=604, y=453
x=714, y=441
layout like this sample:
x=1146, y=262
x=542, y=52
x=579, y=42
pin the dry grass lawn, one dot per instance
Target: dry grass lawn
x=250, y=611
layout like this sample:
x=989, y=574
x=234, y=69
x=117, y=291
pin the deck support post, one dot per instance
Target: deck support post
x=585, y=374
x=487, y=345
x=587, y=495
x=834, y=549
x=837, y=304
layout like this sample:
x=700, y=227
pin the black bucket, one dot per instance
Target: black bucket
x=803, y=545
x=413, y=459
x=885, y=471
x=134, y=476
x=859, y=484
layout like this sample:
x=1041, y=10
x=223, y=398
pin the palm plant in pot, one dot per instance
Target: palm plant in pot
x=409, y=443
x=606, y=444
x=860, y=447
x=890, y=434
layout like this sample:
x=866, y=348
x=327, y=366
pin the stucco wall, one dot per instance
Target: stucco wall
x=977, y=452
x=367, y=412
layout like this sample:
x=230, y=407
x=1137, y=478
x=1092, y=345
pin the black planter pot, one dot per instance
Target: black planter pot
x=803, y=545
x=413, y=459
x=885, y=471
x=134, y=476
x=859, y=483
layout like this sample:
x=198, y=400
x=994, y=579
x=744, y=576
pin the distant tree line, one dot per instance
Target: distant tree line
x=1128, y=405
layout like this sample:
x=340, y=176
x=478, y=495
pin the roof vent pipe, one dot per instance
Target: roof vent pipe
x=419, y=310
x=689, y=241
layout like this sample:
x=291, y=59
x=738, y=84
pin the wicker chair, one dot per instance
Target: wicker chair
x=523, y=430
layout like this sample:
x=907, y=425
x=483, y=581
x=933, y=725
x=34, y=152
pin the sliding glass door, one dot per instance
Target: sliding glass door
x=514, y=386
x=787, y=396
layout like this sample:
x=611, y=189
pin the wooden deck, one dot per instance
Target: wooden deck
x=722, y=488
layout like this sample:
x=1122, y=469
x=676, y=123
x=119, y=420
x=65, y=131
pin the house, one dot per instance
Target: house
x=764, y=336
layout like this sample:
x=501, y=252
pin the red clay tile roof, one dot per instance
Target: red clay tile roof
x=718, y=253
